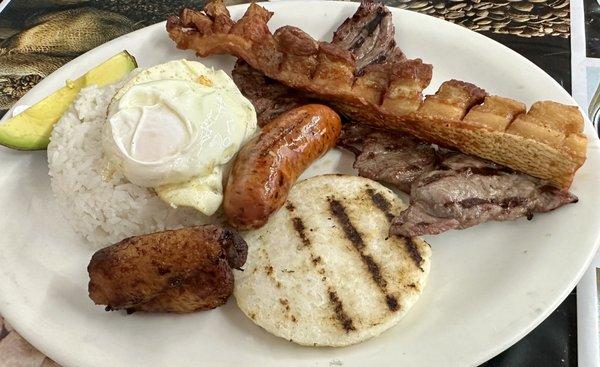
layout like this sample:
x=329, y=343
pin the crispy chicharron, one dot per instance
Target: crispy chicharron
x=547, y=141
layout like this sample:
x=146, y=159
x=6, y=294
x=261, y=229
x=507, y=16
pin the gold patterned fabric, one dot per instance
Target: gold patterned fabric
x=530, y=18
x=17, y=352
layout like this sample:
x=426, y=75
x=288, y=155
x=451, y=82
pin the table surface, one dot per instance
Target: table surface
x=534, y=28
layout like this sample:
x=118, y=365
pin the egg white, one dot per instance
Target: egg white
x=174, y=127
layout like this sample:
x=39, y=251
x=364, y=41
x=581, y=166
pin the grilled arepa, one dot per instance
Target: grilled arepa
x=324, y=271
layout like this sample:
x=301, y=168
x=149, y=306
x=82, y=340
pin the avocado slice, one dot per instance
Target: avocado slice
x=30, y=130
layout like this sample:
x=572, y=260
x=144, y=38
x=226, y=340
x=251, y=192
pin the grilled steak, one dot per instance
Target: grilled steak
x=390, y=158
x=353, y=136
x=269, y=97
x=448, y=190
x=467, y=191
x=368, y=35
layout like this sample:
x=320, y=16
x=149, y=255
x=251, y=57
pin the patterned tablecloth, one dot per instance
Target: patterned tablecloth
x=16, y=351
x=37, y=36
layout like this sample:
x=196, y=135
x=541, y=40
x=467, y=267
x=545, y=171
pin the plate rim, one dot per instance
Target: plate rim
x=54, y=351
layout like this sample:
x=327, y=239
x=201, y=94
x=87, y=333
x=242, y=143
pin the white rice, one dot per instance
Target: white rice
x=102, y=206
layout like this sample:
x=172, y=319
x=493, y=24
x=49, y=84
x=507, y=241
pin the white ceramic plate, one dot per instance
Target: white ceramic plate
x=488, y=287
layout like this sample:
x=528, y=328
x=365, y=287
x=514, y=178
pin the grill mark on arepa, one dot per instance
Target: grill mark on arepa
x=381, y=203
x=268, y=268
x=339, y=212
x=345, y=320
x=269, y=272
x=337, y=209
x=374, y=270
x=340, y=313
x=413, y=252
x=384, y=205
x=298, y=224
x=285, y=303
x=300, y=230
x=392, y=302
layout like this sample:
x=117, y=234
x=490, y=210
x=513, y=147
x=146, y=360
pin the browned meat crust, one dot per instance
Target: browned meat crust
x=179, y=271
x=466, y=191
x=548, y=142
x=269, y=97
x=368, y=34
x=387, y=157
x=448, y=190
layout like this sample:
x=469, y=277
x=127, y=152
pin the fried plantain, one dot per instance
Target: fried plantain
x=180, y=271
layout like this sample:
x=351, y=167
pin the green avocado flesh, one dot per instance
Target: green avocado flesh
x=30, y=130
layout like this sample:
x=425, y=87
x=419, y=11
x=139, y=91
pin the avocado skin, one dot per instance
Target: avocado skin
x=31, y=129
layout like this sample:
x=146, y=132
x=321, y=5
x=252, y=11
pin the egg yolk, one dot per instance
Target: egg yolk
x=170, y=131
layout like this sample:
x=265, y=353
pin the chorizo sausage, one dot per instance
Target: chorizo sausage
x=269, y=164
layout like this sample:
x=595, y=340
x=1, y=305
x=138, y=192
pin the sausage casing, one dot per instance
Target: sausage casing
x=269, y=164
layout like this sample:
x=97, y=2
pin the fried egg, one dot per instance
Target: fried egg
x=174, y=127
